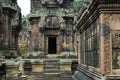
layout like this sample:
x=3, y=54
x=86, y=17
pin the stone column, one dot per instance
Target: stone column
x=69, y=35
x=58, y=44
x=6, y=32
x=35, y=34
x=64, y=42
x=16, y=39
x=8, y=29
x=45, y=43
x=77, y=45
x=42, y=42
x=11, y=46
x=71, y=42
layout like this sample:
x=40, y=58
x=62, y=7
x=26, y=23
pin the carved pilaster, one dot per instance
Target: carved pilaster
x=58, y=44
x=77, y=45
x=6, y=28
x=45, y=45
x=35, y=40
x=105, y=44
x=10, y=32
x=42, y=41
x=107, y=50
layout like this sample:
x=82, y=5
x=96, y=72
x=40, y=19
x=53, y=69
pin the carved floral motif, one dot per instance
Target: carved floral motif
x=106, y=19
x=107, y=49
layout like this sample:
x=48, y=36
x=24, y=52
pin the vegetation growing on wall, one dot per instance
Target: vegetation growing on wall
x=77, y=4
x=25, y=22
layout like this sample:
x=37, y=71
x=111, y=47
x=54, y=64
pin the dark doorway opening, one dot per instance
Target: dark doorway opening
x=52, y=45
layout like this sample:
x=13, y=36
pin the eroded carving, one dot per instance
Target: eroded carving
x=116, y=38
x=106, y=19
x=107, y=49
x=118, y=59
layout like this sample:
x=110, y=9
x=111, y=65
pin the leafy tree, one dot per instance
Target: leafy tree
x=77, y=4
x=24, y=21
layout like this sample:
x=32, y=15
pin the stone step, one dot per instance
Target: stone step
x=37, y=76
x=51, y=70
x=52, y=77
x=12, y=78
x=54, y=64
x=66, y=79
x=66, y=75
x=51, y=66
x=51, y=62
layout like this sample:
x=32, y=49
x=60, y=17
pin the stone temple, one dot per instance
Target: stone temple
x=52, y=26
x=99, y=28
x=60, y=44
x=52, y=53
x=53, y=37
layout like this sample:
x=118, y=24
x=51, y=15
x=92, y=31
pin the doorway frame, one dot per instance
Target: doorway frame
x=52, y=40
x=46, y=44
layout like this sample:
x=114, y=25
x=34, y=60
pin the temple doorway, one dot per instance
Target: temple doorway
x=52, y=45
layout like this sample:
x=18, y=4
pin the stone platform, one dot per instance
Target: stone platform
x=40, y=69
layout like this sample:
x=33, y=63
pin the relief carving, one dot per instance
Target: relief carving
x=115, y=18
x=118, y=59
x=116, y=49
x=106, y=19
x=116, y=38
x=52, y=22
x=107, y=49
x=107, y=56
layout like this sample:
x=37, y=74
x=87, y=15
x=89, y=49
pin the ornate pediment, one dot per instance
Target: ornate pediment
x=52, y=22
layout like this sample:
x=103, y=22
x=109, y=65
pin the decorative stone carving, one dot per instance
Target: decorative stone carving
x=118, y=59
x=106, y=19
x=52, y=22
x=116, y=39
x=116, y=49
x=107, y=49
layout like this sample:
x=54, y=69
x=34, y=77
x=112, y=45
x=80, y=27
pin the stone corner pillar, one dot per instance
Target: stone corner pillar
x=105, y=45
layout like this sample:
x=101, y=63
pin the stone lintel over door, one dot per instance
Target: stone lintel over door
x=105, y=45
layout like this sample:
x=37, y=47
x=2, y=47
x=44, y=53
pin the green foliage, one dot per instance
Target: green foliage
x=77, y=4
x=25, y=22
